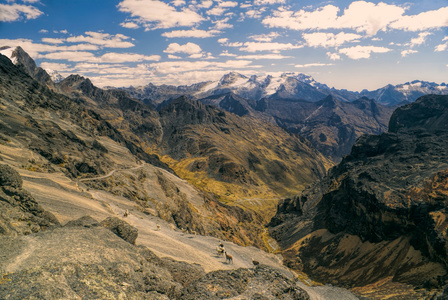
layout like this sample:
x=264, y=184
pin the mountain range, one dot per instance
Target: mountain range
x=178, y=175
x=286, y=86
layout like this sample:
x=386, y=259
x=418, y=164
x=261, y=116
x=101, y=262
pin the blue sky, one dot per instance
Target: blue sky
x=352, y=45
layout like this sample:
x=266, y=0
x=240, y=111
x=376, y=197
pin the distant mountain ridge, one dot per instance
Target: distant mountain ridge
x=287, y=85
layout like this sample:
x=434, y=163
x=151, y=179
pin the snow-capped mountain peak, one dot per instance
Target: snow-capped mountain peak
x=8, y=52
x=55, y=76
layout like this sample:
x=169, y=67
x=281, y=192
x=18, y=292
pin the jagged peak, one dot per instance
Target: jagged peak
x=231, y=77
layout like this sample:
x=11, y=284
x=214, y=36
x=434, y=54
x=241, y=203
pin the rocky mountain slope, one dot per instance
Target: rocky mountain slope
x=230, y=156
x=330, y=119
x=378, y=219
x=236, y=162
x=332, y=126
x=84, y=258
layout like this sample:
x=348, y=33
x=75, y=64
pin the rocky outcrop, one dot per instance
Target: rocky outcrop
x=20, y=214
x=381, y=212
x=78, y=262
x=261, y=282
x=121, y=229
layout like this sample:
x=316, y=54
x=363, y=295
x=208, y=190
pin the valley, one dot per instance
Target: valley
x=115, y=193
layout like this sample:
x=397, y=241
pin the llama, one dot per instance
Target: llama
x=229, y=258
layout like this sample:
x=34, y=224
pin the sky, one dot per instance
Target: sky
x=351, y=45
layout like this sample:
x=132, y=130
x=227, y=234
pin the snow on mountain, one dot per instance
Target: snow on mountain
x=7, y=51
x=55, y=76
x=407, y=92
x=256, y=87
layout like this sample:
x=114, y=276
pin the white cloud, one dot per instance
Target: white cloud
x=228, y=4
x=170, y=56
x=193, y=33
x=188, y=48
x=14, y=12
x=43, y=31
x=274, y=47
x=130, y=25
x=264, y=2
x=252, y=13
x=359, y=52
x=158, y=14
x=173, y=67
x=216, y=11
x=322, y=39
x=420, y=39
x=56, y=66
x=226, y=53
x=111, y=57
x=223, y=40
x=178, y=2
x=405, y=53
x=53, y=41
x=423, y=21
x=102, y=39
x=333, y=56
x=222, y=24
x=263, y=56
x=265, y=37
x=361, y=16
x=313, y=65
x=205, y=4
x=34, y=49
x=441, y=47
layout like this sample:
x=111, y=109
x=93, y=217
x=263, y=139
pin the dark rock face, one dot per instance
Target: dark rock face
x=259, y=283
x=121, y=229
x=332, y=126
x=20, y=214
x=30, y=67
x=382, y=210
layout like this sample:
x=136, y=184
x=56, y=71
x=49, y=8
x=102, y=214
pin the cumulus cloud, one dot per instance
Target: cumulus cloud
x=359, y=52
x=53, y=41
x=441, y=47
x=130, y=25
x=333, y=56
x=188, y=48
x=313, y=65
x=157, y=14
x=217, y=11
x=193, y=33
x=263, y=56
x=423, y=21
x=186, y=66
x=222, y=24
x=361, y=16
x=420, y=39
x=264, y=2
x=15, y=12
x=35, y=49
x=405, y=53
x=268, y=37
x=110, y=57
x=102, y=39
x=274, y=47
x=226, y=53
x=56, y=66
x=322, y=39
